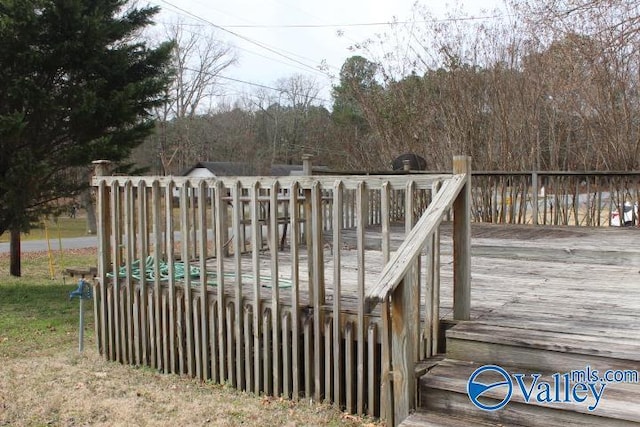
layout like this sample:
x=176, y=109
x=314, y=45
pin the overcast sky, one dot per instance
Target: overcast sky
x=300, y=50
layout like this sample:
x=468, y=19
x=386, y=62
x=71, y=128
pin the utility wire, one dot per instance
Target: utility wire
x=270, y=58
x=369, y=24
x=363, y=24
x=260, y=85
x=247, y=39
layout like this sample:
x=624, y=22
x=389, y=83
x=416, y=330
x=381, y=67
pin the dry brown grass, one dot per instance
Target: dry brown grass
x=45, y=381
x=69, y=389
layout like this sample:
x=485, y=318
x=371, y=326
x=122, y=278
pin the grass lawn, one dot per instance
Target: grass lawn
x=61, y=228
x=45, y=381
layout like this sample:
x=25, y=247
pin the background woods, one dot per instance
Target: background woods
x=544, y=85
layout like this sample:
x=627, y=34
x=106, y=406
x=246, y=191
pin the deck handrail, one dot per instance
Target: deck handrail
x=402, y=260
x=399, y=288
x=305, y=182
x=250, y=237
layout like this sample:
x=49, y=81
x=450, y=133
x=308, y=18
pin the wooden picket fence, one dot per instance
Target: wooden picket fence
x=287, y=286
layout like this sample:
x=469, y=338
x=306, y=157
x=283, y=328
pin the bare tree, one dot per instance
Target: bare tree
x=198, y=61
x=299, y=93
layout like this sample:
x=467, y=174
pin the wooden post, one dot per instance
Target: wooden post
x=101, y=167
x=104, y=260
x=402, y=352
x=306, y=170
x=462, y=242
x=534, y=190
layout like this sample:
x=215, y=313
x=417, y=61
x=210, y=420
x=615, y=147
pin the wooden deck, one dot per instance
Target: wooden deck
x=544, y=300
x=364, y=276
x=559, y=279
x=566, y=280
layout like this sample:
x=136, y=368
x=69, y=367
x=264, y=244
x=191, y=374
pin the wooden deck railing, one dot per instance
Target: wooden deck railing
x=553, y=198
x=410, y=308
x=261, y=282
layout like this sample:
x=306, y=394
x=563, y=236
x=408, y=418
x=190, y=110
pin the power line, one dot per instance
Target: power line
x=247, y=39
x=182, y=25
x=260, y=85
x=363, y=24
x=369, y=24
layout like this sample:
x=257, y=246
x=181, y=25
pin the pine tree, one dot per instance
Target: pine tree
x=76, y=84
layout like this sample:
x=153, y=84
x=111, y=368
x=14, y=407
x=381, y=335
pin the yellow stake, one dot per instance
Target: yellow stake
x=52, y=272
x=61, y=260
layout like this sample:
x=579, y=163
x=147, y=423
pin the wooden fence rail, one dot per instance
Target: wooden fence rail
x=262, y=282
x=589, y=199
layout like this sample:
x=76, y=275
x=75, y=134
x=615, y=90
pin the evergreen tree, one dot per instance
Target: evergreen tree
x=76, y=84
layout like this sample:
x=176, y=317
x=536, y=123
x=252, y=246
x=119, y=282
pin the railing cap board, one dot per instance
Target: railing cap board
x=401, y=261
x=423, y=182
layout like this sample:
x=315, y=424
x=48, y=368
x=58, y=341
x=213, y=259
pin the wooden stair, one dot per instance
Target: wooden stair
x=444, y=401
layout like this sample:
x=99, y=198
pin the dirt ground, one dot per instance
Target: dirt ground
x=71, y=389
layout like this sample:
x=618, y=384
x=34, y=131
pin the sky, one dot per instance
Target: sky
x=276, y=39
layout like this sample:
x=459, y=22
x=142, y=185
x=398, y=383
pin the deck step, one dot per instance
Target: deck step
x=444, y=390
x=548, y=351
x=435, y=419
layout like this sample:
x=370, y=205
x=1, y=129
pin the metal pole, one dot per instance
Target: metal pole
x=81, y=332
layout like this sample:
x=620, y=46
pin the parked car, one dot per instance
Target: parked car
x=630, y=216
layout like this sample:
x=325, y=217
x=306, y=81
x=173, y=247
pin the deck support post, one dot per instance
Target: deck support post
x=462, y=242
x=403, y=344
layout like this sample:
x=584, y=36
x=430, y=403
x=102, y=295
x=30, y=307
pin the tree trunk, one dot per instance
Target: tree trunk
x=87, y=202
x=14, y=268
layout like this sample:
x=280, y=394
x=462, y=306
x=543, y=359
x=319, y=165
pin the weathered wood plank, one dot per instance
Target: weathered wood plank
x=105, y=342
x=294, y=212
x=401, y=261
x=116, y=262
x=238, y=242
x=402, y=352
x=165, y=334
x=338, y=214
x=143, y=247
x=204, y=277
x=351, y=182
x=156, y=213
x=318, y=286
x=171, y=271
x=230, y=330
x=329, y=351
x=185, y=226
x=256, y=244
x=197, y=333
x=462, y=242
x=180, y=356
x=349, y=372
x=214, y=344
x=248, y=349
x=361, y=203
x=220, y=212
x=129, y=247
x=308, y=356
x=286, y=358
x=372, y=380
x=275, y=287
x=267, y=368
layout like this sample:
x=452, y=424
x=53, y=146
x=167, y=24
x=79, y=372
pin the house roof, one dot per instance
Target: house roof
x=246, y=169
x=224, y=168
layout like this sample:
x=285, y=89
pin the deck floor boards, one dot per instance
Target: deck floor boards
x=570, y=281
